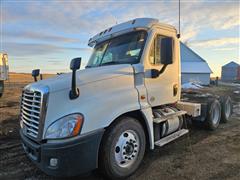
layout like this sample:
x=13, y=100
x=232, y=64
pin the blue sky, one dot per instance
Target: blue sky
x=48, y=34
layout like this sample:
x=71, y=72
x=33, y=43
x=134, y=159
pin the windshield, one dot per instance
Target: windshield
x=124, y=49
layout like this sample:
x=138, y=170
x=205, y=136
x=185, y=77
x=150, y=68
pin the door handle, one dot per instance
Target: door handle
x=175, y=89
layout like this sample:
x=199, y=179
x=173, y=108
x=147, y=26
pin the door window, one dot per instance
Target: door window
x=155, y=51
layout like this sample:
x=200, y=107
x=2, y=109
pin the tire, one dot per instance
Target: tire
x=213, y=114
x=227, y=108
x=1, y=88
x=122, y=148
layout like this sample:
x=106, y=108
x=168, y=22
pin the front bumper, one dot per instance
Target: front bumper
x=74, y=157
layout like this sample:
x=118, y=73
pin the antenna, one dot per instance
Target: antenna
x=179, y=20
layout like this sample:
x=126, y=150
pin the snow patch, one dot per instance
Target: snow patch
x=191, y=85
x=236, y=92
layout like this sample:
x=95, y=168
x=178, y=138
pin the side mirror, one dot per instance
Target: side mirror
x=35, y=74
x=166, y=51
x=74, y=66
x=166, y=55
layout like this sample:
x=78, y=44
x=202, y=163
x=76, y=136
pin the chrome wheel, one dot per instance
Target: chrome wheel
x=122, y=148
x=227, y=109
x=216, y=115
x=127, y=148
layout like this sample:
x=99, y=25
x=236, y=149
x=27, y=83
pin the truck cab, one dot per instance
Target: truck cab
x=105, y=116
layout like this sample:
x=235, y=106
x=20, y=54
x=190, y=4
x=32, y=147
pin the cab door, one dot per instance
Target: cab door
x=162, y=70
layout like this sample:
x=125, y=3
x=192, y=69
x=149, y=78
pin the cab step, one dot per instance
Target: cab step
x=171, y=137
x=169, y=116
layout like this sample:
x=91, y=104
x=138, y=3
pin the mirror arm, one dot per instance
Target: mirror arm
x=163, y=69
x=156, y=73
x=74, y=66
x=74, y=93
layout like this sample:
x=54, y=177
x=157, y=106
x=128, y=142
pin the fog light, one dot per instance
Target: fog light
x=53, y=162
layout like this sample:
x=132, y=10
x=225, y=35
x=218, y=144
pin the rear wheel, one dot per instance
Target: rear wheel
x=213, y=114
x=122, y=149
x=227, y=108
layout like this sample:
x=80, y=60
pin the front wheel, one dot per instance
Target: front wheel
x=122, y=148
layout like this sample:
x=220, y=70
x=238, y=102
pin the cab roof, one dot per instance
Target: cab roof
x=135, y=24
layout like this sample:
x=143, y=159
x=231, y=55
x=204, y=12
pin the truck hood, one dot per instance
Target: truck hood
x=85, y=76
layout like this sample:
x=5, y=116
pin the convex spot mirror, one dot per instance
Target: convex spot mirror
x=75, y=64
x=35, y=74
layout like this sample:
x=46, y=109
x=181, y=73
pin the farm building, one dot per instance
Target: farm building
x=231, y=71
x=194, y=68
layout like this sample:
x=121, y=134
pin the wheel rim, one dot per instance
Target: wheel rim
x=215, y=115
x=227, y=109
x=127, y=148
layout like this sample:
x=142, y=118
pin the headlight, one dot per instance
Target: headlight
x=67, y=126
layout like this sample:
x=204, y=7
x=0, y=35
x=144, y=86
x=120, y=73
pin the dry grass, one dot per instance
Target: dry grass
x=24, y=77
x=9, y=102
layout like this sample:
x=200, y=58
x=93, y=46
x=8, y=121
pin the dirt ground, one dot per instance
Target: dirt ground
x=201, y=154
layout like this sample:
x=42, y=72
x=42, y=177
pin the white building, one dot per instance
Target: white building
x=194, y=68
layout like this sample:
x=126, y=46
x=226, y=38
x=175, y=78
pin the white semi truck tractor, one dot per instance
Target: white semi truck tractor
x=125, y=101
x=3, y=71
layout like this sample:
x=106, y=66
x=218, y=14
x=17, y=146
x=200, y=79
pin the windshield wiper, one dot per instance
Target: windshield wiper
x=109, y=63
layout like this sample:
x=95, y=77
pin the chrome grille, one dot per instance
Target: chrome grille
x=31, y=112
